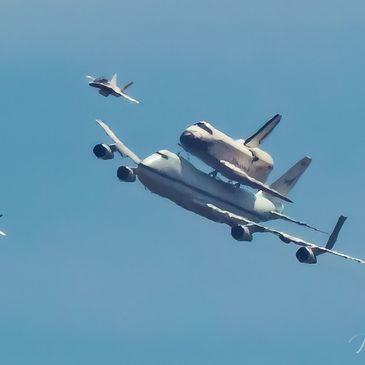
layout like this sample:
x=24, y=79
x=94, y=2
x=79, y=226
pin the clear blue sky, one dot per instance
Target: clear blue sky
x=96, y=271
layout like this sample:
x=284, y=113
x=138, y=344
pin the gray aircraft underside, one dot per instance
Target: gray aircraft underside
x=172, y=177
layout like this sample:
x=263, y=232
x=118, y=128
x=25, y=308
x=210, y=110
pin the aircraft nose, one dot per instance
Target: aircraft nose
x=187, y=139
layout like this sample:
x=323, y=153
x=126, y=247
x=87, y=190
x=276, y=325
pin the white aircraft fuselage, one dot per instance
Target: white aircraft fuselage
x=106, y=88
x=211, y=146
x=171, y=176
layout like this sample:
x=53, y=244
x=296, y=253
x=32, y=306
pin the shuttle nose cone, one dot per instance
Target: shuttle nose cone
x=187, y=139
x=190, y=142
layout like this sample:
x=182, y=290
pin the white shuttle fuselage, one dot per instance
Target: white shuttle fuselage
x=212, y=146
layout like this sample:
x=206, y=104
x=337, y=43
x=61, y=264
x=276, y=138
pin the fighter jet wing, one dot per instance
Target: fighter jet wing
x=232, y=219
x=243, y=178
x=296, y=221
x=124, y=95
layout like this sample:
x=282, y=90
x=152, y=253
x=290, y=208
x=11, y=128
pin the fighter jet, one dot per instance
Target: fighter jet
x=171, y=176
x=239, y=160
x=109, y=87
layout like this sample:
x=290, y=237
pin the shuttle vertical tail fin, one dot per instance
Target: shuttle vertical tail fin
x=256, y=139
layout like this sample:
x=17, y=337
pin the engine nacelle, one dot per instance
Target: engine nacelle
x=241, y=233
x=103, y=151
x=306, y=256
x=126, y=174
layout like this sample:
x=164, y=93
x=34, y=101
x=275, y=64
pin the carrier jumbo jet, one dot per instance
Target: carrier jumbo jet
x=239, y=160
x=109, y=87
x=171, y=176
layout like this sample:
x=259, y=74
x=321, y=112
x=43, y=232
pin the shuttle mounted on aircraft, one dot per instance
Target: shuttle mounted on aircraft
x=238, y=160
x=171, y=176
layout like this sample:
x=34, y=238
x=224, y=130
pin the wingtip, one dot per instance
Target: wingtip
x=278, y=117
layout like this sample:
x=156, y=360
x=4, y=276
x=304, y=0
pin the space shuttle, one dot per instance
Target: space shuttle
x=240, y=160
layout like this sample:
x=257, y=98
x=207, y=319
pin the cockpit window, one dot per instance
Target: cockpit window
x=163, y=155
x=101, y=79
x=202, y=125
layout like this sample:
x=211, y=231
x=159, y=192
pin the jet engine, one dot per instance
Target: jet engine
x=241, y=233
x=306, y=256
x=126, y=174
x=104, y=151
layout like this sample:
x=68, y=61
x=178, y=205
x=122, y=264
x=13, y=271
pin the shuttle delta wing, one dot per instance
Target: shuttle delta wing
x=243, y=178
x=256, y=139
x=233, y=219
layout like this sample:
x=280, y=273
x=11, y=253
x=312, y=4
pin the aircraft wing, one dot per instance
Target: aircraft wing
x=122, y=149
x=124, y=95
x=233, y=219
x=296, y=221
x=243, y=178
x=2, y=233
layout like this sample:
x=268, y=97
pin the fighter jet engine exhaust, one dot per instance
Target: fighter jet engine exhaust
x=104, y=151
x=126, y=174
x=241, y=233
x=306, y=256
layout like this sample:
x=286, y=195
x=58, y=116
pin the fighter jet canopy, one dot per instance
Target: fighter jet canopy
x=101, y=79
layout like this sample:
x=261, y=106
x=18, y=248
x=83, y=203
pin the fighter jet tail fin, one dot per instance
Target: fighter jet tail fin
x=286, y=182
x=263, y=132
x=113, y=81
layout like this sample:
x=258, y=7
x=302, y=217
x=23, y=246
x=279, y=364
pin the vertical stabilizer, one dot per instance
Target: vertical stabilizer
x=113, y=81
x=286, y=182
x=256, y=139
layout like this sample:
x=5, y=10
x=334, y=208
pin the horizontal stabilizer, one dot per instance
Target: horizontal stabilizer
x=122, y=149
x=256, y=139
x=243, y=178
x=126, y=86
x=289, y=219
